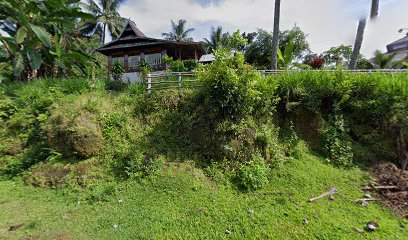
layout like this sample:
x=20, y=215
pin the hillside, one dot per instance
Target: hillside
x=239, y=157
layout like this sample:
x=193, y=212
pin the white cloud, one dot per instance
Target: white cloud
x=328, y=22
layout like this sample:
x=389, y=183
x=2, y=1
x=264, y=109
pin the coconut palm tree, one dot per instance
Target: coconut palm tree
x=275, y=39
x=107, y=18
x=360, y=33
x=178, y=32
x=217, y=39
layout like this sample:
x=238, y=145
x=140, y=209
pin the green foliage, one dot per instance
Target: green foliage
x=231, y=86
x=44, y=44
x=117, y=83
x=190, y=65
x=178, y=32
x=259, y=51
x=236, y=41
x=254, y=174
x=217, y=40
x=180, y=66
x=74, y=133
x=145, y=68
x=337, y=144
x=106, y=19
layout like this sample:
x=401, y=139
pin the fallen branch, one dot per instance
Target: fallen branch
x=331, y=192
x=379, y=187
x=365, y=199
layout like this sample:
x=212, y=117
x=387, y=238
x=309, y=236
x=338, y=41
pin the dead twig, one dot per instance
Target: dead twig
x=365, y=200
x=331, y=192
x=372, y=187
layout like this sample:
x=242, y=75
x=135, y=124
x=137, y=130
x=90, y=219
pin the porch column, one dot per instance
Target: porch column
x=163, y=53
x=126, y=62
x=110, y=63
x=142, y=56
x=195, y=54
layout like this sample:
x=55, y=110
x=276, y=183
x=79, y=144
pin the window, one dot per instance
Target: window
x=153, y=59
x=134, y=62
x=119, y=59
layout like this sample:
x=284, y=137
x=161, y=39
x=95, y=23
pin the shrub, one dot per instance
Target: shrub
x=116, y=82
x=230, y=86
x=254, y=174
x=337, y=145
x=74, y=132
x=190, y=65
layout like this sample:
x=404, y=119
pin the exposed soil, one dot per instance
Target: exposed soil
x=389, y=175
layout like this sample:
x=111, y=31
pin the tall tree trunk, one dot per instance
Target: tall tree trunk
x=358, y=43
x=275, y=40
x=103, y=34
x=375, y=5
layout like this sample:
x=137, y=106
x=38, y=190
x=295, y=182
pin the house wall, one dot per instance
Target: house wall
x=131, y=59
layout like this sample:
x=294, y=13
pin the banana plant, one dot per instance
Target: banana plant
x=40, y=37
x=285, y=60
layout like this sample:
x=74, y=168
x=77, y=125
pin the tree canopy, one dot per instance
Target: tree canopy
x=259, y=52
x=179, y=32
x=107, y=18
x=41, y=35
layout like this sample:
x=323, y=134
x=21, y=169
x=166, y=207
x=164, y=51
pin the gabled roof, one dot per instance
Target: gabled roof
x=132, y=37
x=132, y=29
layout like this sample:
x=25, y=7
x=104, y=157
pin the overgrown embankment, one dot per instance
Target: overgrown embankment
x=243, y=131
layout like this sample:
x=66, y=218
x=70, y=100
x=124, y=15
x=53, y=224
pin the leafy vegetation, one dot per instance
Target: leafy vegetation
x=106, y=19
x=41, y=39
x=178, y=32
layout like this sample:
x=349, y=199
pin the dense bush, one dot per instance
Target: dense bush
x=240, y=122
x=74, y=134
x=254, y=174
x=116, y=82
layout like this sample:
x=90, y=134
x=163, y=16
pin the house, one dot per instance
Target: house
x=209, y=58
x=399, y=47
x=132, y=46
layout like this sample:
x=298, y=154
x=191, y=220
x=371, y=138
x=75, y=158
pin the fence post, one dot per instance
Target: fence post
x=179, y=81
x=263, y=73
x=149, y=83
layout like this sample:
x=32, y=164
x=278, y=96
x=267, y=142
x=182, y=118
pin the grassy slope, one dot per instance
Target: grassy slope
x=182, y=203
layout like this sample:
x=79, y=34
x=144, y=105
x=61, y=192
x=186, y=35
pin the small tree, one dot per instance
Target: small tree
x=116, y=83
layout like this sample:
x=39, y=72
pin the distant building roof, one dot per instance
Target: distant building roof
x=399, y=45
x=207, y=58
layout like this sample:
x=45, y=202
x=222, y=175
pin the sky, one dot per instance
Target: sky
x=328, y=23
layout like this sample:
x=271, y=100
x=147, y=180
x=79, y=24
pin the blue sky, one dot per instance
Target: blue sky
x=328, y=22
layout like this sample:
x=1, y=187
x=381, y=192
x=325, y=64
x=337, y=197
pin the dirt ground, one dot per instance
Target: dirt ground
x=395, y=193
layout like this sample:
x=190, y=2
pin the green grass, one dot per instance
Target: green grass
x=181, y=203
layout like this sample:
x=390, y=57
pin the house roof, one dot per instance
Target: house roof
x=132, y=26
x=132, y=37
x=398, y=45
x=207, y=58
x=399, y=41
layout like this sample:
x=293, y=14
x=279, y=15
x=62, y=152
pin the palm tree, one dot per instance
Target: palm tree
x=217, y=39
x=275, y=39
x=107, y=18
x=387, y=61
x=360, y=33
x=178, y=32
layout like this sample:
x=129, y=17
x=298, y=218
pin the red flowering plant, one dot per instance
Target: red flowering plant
x=317, y=63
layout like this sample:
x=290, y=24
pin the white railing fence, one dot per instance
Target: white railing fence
x=179, y=80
